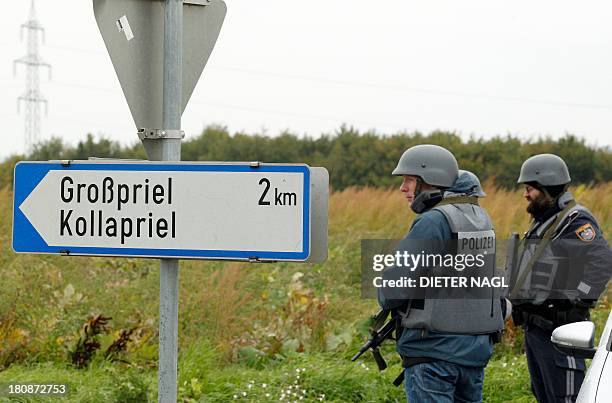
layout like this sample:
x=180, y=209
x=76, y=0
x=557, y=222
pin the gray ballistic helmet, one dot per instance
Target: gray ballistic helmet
x=544, y=169
x=467, y=177
x=435, y=165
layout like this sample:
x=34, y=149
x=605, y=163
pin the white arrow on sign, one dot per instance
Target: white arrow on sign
x=186, y=210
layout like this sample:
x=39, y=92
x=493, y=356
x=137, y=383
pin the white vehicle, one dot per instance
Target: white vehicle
x=577, y=339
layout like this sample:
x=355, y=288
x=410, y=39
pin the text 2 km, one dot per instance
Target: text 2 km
x=280, y=198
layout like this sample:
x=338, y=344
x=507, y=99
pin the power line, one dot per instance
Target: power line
x=415, y=89
x=249, y=109
x=83, y=86
x=88, y=123
x=301, y=115
x=393, y=87
x=77, y=50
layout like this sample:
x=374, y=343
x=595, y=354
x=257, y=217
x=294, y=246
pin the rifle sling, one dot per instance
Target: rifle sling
x=540, y=248
x=459, y=200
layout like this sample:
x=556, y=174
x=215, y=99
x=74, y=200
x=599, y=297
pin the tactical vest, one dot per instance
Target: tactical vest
x=463, y=316
x=534, y=278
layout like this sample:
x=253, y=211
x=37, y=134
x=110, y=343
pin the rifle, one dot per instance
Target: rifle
x=379, y=332
x=512, y=260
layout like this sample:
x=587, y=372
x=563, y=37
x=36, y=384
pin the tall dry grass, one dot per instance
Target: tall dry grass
x=372, y=213
x=221, y=302
x=507, y=208
x=364, y=212
x=386, y=214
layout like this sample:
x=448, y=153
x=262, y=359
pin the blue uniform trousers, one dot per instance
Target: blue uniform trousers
x=555, y=377
x=443, y=382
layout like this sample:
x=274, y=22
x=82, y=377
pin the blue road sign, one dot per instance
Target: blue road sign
x=237, y=211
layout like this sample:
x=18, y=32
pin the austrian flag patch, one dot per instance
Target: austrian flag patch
x=586, y=233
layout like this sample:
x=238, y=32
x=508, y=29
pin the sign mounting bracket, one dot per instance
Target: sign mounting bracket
x=197, y=2
x=158, y=134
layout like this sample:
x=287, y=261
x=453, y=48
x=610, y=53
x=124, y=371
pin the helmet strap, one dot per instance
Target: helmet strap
x=556, y=198
x=426, y=200
x=419, y=186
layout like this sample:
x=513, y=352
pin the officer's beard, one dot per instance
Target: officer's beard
x=539, y=205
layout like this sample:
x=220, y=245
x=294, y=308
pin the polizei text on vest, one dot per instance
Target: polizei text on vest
x=105, y=222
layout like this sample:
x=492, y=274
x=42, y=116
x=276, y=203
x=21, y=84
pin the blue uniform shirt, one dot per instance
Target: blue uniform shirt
x=468, y=350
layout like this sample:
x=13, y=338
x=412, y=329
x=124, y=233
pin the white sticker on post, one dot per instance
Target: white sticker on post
x=124, y=25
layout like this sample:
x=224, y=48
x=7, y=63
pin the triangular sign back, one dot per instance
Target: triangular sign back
x=133, y=32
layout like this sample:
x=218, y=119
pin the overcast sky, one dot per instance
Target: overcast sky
x=478, y=67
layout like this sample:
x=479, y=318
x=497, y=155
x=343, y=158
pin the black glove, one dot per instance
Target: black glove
x=517, y=316
x=579, y=311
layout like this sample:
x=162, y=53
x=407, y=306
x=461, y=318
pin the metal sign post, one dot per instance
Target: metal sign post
x=169, y=149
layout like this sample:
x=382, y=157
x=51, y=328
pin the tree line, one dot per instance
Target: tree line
x=353, y=158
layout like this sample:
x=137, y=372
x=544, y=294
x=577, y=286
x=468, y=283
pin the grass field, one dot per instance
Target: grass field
x=246, y=332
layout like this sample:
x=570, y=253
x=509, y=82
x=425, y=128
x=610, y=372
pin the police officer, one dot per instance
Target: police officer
x=564, y=265
x=445, y=344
